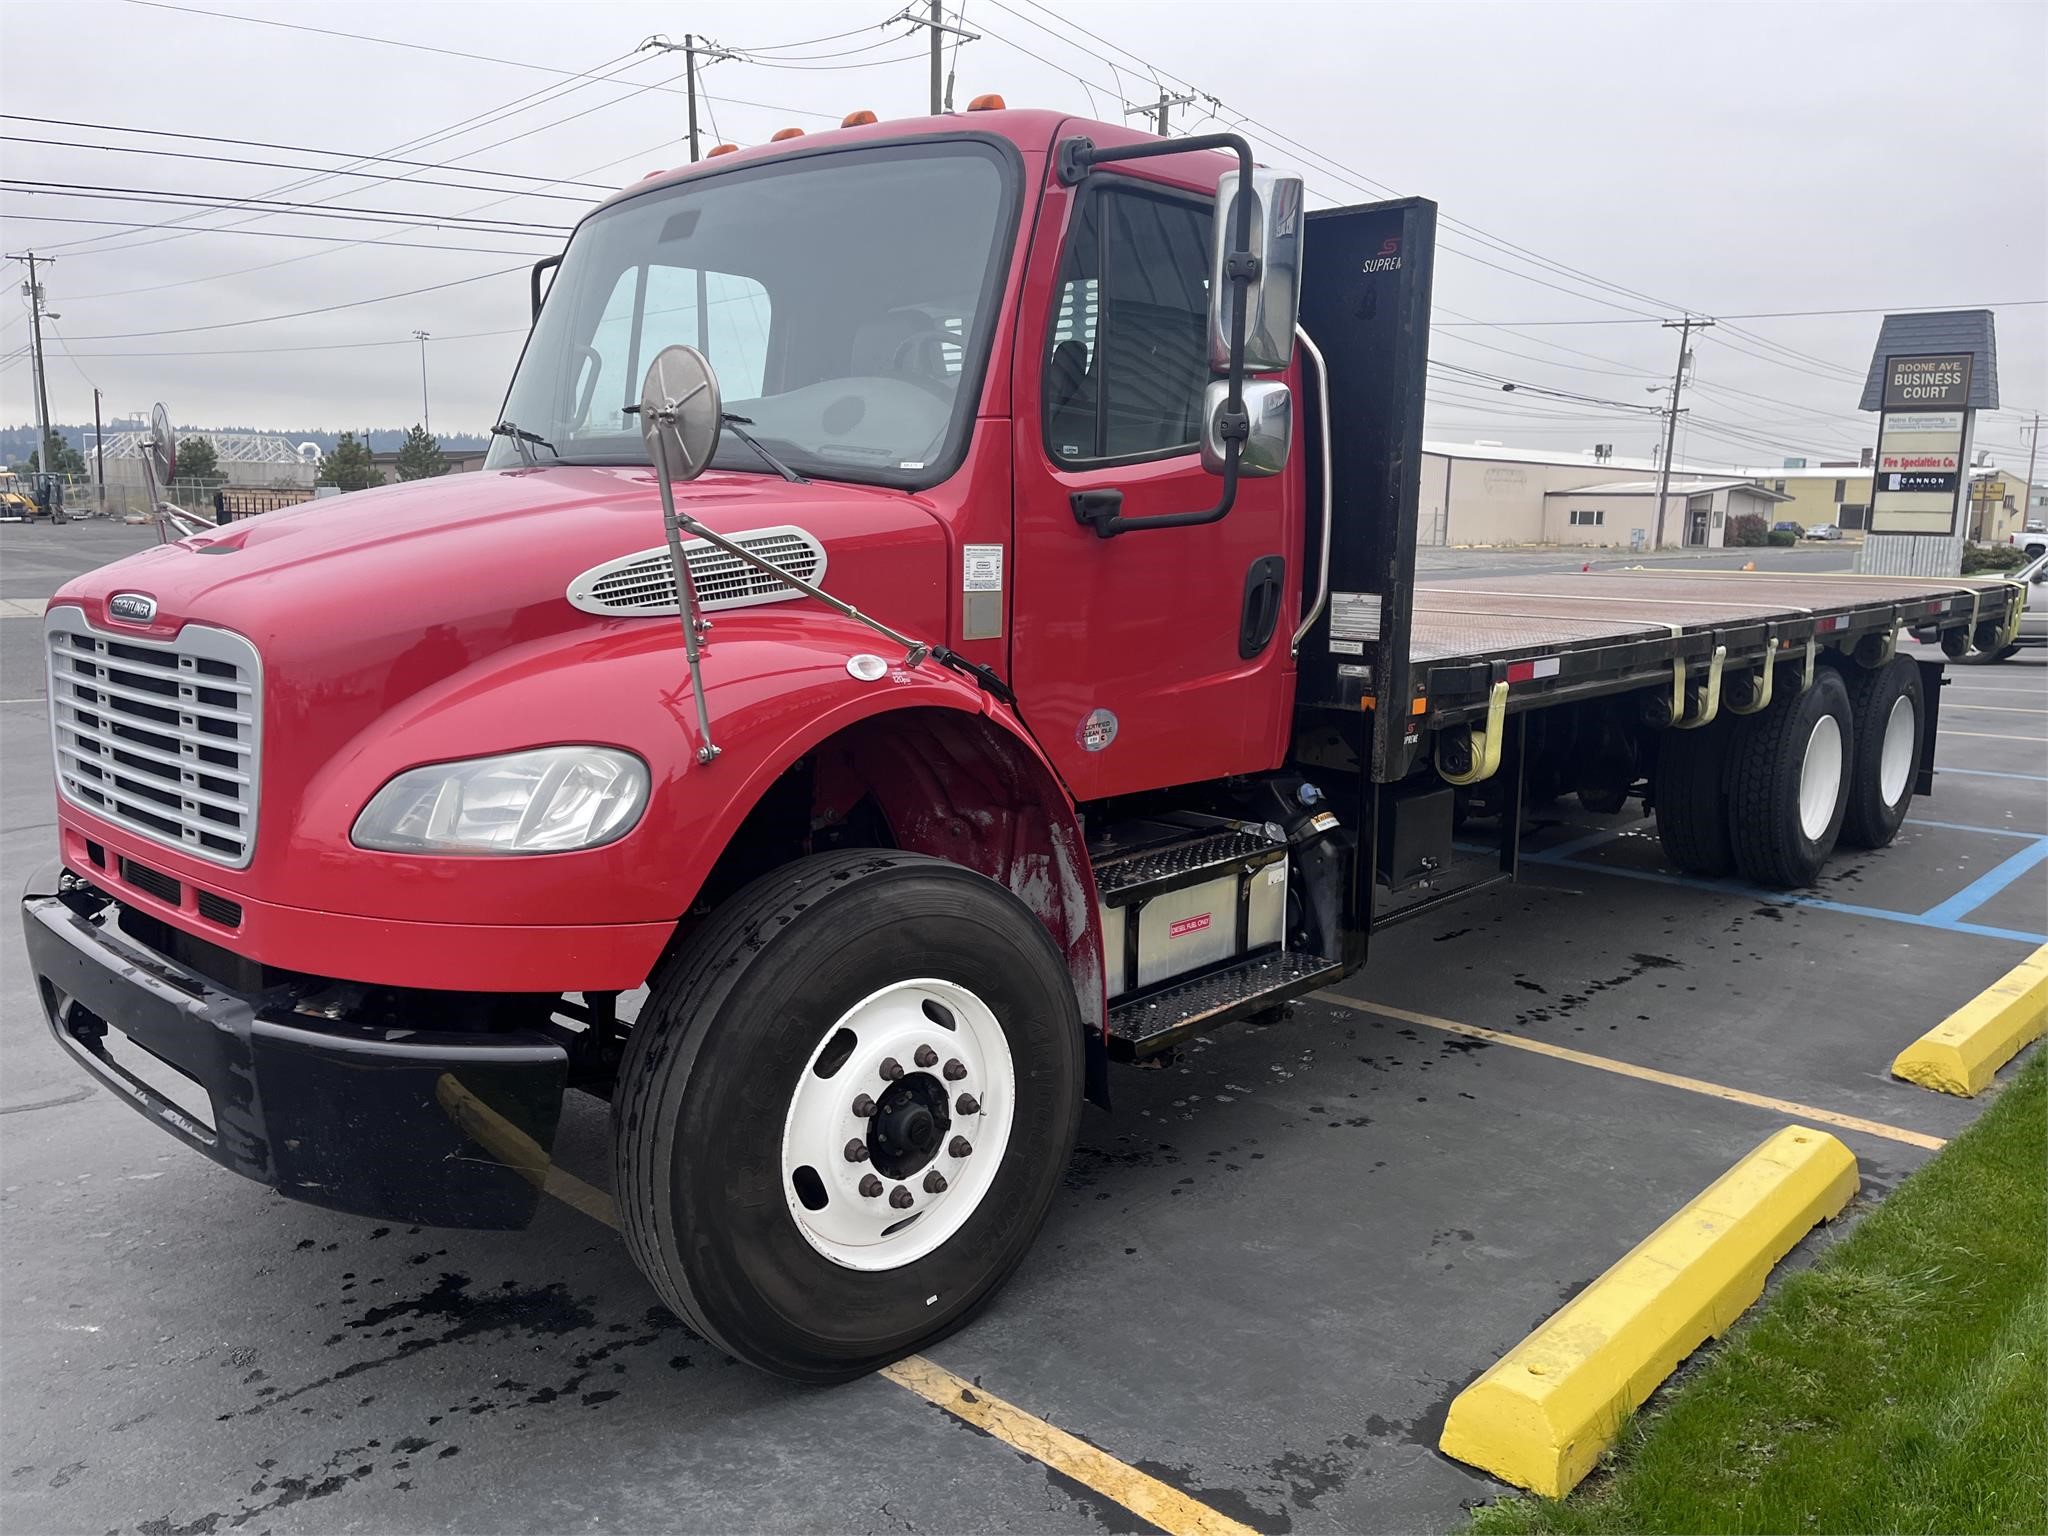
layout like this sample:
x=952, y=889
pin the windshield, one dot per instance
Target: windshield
x=843, y=298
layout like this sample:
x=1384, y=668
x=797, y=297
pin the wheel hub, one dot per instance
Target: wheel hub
x=897, y=1124
x=909, y=1126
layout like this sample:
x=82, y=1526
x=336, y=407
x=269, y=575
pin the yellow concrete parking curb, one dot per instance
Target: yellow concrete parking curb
x=1962, y=1053
x=1546, y=1410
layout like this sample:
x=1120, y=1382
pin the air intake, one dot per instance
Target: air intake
x=641, y=584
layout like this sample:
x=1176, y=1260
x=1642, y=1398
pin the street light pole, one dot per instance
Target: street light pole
x=426, y=411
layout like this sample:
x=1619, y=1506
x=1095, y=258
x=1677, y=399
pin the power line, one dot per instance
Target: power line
x=353, y=156
x=300, y=314
x=258, y=234
x=330, y=346
x=282, y=165
x=297, y=210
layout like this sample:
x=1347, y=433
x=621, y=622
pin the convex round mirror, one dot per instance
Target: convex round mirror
x=680, y=412
x=163, y=445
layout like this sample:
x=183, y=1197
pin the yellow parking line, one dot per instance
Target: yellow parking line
x=1146, y=1497
x=1652, y=1075
x=1143, y=1495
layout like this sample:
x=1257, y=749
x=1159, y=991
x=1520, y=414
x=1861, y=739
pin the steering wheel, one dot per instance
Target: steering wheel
x=921, y=360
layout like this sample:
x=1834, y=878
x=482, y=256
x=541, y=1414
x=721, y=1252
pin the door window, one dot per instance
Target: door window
x=1127, y=354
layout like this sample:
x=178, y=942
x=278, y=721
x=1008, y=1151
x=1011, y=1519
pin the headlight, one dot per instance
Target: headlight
x=549, y=800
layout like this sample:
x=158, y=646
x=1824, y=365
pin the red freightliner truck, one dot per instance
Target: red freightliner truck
x=1125, y=718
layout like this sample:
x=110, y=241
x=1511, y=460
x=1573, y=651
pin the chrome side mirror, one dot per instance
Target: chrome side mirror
x=1273, y=298
x=680, y=413
x=1270, y=405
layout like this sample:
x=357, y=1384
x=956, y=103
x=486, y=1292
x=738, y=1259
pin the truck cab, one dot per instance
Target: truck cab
x=1002, y=659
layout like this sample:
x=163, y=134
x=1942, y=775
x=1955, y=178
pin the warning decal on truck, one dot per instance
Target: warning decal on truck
x=1354, y=616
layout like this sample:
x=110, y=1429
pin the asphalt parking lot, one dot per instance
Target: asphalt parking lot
x=1268, y=1274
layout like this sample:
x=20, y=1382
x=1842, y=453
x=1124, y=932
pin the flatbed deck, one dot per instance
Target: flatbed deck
x=1577, y=634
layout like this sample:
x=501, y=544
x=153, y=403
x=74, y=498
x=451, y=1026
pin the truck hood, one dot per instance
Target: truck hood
x=469, y=547
x=368, y=607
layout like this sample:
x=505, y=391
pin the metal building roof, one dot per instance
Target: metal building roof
x=1951, y=330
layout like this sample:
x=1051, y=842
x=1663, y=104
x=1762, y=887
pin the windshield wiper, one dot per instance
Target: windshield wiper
x=739, y=425
x=522, y=439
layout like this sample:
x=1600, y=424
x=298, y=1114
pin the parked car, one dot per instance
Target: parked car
x=2034, y=540
x=1787, y=525
x=1823, y=531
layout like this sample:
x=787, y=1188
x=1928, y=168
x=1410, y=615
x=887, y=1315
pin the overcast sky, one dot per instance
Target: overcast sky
x=1730, y=159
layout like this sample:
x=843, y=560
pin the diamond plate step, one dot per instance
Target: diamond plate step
x=1185, y=861
x=1143, y=1025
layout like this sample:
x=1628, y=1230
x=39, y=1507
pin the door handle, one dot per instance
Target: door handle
x=1261, y=613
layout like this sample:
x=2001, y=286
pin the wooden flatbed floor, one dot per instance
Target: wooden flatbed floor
x=1512, y=617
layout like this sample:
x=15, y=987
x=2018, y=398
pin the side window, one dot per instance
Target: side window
x=1127, y=355
x=655, y=307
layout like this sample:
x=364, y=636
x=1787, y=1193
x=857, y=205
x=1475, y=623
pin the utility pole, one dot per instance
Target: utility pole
x=32, y=290
x=940, y=28
x=1685, y=328
x=692, y=50
x=99, y=451
x=426, y=411
x=1160, y=108
x=2033, y=449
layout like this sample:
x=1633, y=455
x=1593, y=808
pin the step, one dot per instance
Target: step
x=1154, y=857
x=1152, y=1021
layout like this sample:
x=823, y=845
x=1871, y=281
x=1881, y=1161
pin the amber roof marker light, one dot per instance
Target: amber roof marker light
x=988, y=103
x=785, y=133
x=858, y=119
x=721, y=149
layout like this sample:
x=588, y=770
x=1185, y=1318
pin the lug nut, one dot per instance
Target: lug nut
x=935, y=1183
x=959, y=1146
x=871, y=1187
x=955, y=1070
x=967, y=1104
x=856, y=1151
x=891, y=1069
x=926, y=1056
x=901, y=1198
x=864, y=1106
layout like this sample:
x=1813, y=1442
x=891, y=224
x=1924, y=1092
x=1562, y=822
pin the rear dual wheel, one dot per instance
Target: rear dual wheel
x=1788, y=782
x=1889, y=707
x=845, y=1109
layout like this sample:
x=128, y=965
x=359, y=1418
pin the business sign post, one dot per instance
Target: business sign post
x=1927, y=398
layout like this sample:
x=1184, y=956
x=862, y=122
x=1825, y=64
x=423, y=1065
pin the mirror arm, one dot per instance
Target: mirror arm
x=545, y=265
x=1076, y=158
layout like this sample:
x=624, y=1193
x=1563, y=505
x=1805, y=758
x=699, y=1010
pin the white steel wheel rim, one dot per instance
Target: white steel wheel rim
x=1820, y=777
x=904, y=1026
x=1895, y=758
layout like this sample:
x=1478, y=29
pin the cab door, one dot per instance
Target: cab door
x=1156, y=656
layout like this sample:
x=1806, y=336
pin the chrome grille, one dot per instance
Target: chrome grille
x=642, y=583
x=162, y=738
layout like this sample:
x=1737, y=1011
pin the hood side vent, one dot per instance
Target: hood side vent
x=640, y=585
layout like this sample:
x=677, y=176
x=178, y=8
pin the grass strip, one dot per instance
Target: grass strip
x=1900, y=1384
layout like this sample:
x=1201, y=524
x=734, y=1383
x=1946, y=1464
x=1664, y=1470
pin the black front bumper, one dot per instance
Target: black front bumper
x=434, y=1127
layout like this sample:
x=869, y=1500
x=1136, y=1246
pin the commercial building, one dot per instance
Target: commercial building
x=1624, y=512
x=1830, y=493
x=1484, y=493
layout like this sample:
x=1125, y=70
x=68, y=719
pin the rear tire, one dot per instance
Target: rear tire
x=1692, y=805
x=1788, y=782
x=1890, y=716
x=832, y=980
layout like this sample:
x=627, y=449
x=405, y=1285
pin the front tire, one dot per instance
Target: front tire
x=1890, y=714
x=1788, y=785
x=920, y=991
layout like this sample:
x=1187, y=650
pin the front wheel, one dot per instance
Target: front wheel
x=845, y=1109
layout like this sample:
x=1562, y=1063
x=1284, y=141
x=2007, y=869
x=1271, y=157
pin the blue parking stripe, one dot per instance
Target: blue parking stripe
x=1959, y=826
x=1986, y=773
x=1990, y=883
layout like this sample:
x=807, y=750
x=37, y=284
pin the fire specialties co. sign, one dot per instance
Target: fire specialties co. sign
x=1922, y=444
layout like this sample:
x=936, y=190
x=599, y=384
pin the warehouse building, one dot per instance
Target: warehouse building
x=1484, y=493
x=1624, y=512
